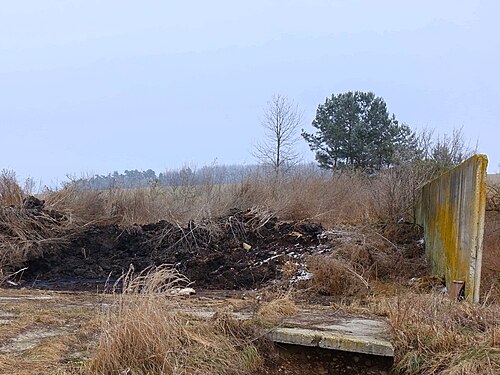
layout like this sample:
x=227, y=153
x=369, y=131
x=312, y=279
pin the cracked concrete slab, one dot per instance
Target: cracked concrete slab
x=30, y=339
x=326, y=330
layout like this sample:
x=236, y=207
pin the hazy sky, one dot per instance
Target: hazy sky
x=97, y=86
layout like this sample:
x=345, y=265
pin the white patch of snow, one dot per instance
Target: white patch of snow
x=302, y=276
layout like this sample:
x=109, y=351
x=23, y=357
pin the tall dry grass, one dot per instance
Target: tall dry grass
x=146, y=334
x=11, y=193
x=143, y=205
x=348, y=197
x=490, y=271
x=23, y=229
x=363, y=256
x=435, y=335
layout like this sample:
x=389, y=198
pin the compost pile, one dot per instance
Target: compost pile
x=237, y=251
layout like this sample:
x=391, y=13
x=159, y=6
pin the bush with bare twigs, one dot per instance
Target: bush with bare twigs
x=493, y=197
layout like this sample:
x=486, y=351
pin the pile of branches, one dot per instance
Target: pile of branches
x=253, y=225
x=26, y=229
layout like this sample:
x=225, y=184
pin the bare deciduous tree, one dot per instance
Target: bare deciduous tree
x=443, y=151
x=281, y=122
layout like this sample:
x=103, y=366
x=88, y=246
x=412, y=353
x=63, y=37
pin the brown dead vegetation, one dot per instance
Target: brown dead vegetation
x=11, y=193
x=24, y=233
x=348, y=197
x=434, y=335
x=493, y=197
x=493, y=193
x=145, y=334
x=278, y=308
x=490, y=272
x=365, y=255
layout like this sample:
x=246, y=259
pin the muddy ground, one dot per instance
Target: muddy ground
x=300, y=360
x=242, y=250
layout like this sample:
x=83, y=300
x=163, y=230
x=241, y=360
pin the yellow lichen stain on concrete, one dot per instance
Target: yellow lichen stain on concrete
x=451, y=211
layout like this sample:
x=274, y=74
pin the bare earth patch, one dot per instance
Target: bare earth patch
x=43, y=333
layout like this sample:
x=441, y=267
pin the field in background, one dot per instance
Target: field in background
x=344, y=198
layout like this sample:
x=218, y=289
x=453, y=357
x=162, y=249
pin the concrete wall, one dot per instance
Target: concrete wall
x=451, y=210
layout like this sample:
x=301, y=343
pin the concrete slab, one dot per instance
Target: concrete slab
x=365, y=336
x=327, y=330
x=30, y=339
x=24, y=297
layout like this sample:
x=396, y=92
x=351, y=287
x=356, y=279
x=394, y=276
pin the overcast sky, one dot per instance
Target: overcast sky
x=96, y=86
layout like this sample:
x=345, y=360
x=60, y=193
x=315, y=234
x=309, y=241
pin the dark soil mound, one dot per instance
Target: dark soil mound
x=243, y=250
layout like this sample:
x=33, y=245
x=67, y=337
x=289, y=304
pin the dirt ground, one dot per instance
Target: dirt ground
x=300, y=360
x=239, y=251
x=47, y=332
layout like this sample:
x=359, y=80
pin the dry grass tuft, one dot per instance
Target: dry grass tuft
x=152, y=282
x=145, y=334
x=336, y=277
x=150, y=338
x=11, y=193
x=434, y=335
x=279, y=308
x=363, y=256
